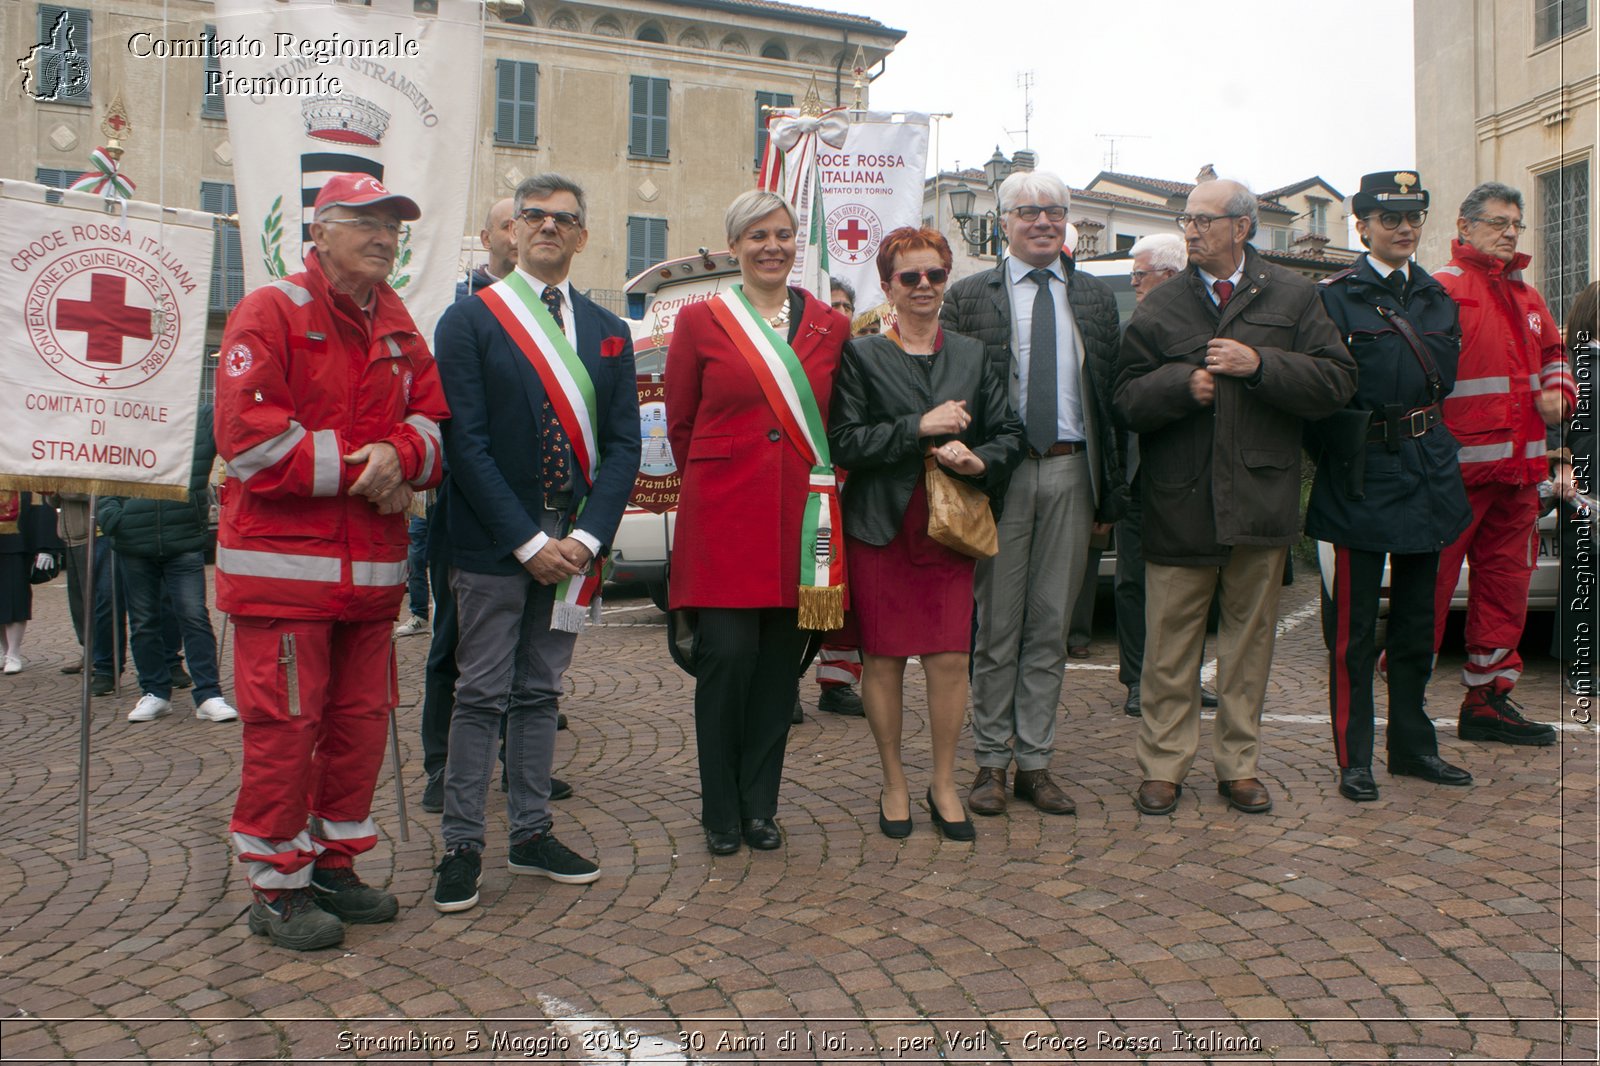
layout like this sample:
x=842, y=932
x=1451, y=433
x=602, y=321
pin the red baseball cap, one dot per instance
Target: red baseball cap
x=364, y=190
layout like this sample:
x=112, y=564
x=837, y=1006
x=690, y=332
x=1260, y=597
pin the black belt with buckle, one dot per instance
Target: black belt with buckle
x=1060, y=447
x=559, y=502
x=1392, y=425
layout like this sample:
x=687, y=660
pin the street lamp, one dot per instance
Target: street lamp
x=981, y=232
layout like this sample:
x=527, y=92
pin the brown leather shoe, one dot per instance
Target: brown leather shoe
x=988, y=793
x=1157, y=797
x=1037, y=788
x=1247, y=794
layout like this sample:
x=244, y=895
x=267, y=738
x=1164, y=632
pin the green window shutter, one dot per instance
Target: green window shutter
x=660, y=91
x=505, y=96
x=638, y=116
x=211, y=105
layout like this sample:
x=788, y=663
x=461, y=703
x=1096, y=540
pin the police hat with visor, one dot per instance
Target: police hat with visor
x=1390, y=190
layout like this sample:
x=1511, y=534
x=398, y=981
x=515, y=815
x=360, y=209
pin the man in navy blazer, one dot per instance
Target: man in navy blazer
x=522, y=517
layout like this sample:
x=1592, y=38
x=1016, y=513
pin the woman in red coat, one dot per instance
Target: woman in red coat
x=749, y=377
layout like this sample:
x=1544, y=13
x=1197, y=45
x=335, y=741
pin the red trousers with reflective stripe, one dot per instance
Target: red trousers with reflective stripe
x=316, y=755
x=1350, y=625
x=1501, y=546
x=839, y=658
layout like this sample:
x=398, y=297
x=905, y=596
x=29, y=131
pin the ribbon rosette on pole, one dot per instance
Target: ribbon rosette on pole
x=790, y=169
x=103, y=179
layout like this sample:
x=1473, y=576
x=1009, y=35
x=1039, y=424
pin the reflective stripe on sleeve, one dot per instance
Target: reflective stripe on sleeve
x=1535, y=449
x=428, y=429
x=326, y=462
x=1486, y=453
x=378, y=574
x=250, y=462
x=242, y=562
x=1480, y=387
x=301, y=296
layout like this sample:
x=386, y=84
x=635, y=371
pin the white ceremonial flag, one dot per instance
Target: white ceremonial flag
x=315, y=88
x=789, y=168
x=102, y=340
x=871, y=187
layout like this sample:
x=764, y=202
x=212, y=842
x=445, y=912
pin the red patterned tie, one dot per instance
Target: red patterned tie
x=555, y=460
x=1223, y=289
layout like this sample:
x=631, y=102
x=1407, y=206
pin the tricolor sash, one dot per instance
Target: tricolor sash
x=788, y=391
x=526, y=320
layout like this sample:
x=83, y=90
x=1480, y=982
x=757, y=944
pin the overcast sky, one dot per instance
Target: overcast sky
x=1269, y=93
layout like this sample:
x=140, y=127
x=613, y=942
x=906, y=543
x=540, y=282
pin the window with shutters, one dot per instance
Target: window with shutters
x=647, y=117
x=516, y=102
x=56, y=179
x=61, y=62
x=647, y=243
x=1317, y=216
x=1564, y=219
x=764, y=101
x=1554, y=19
x=227, y=255
x=211, y=102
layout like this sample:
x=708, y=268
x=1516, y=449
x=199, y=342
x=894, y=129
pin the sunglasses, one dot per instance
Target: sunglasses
x=912, y=278
x=535, y=217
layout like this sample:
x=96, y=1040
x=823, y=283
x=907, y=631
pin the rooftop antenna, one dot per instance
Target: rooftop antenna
x=1111, y=140
x=1025, y=83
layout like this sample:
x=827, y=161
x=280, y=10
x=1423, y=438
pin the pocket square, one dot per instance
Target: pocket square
x=611, y=347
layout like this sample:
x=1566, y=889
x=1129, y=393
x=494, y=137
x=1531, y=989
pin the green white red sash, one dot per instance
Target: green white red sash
x=788, y=391
x=529, y=324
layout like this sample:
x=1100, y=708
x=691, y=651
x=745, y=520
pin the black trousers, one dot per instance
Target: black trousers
x=1349, y=625
x=747, y=676
x=439, y=678
x=1129, y=589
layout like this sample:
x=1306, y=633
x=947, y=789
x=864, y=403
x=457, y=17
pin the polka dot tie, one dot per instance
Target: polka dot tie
x=555, y=452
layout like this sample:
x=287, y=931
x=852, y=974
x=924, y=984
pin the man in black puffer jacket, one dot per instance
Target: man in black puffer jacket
x=163, y=542
x=1070, y=482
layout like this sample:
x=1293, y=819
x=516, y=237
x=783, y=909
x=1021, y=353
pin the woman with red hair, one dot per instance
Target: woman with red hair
x=899, y=397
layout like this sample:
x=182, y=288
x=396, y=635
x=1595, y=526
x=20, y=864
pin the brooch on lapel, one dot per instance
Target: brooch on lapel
x=812, y=327
x=611, y=347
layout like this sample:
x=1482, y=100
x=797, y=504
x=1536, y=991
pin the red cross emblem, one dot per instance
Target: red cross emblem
x=853, y=234
x=106, y=317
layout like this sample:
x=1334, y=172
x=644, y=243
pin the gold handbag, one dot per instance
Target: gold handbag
x=958, y=514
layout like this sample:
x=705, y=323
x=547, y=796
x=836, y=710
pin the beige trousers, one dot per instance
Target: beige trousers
x=1177, y=600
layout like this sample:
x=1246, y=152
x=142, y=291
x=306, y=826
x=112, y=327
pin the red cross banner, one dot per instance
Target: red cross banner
x=379, y=88
x=871, y=187
x=102, y=341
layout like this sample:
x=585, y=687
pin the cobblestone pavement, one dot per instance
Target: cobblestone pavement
x=1436, y=924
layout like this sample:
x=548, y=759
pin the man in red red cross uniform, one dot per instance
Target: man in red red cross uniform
x=328, y=412
x=1513, y=382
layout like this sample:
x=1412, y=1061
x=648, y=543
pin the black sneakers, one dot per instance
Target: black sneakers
x=1490, y=715
x=341, y=893
x=841, y=700
x=459, y=875
x=548, y=857
x=294, y=920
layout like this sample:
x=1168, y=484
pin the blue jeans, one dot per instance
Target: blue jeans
x=184, y=577
x=418, y=556
x=107, y=568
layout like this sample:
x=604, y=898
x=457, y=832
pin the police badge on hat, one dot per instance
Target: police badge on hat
x=1390, y=190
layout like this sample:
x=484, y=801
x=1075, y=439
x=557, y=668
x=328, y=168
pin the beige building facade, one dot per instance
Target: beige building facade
x=1509, y=91
x=652, y=105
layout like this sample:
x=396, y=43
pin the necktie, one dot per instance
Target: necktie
x=1397, y=282
x=1223, y=289
x=1042, y=366
x=555, y=459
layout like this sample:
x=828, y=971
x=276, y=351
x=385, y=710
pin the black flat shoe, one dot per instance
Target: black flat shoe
x=1429, y=768
x=721, y=842
x=896, y=829
x=1356, y=783
x=762, y=834
x=962, y=830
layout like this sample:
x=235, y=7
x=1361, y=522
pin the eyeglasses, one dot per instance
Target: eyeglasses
x=912, y=278
x=1392, y=219
x=365, y=224
x=1502, y=223
x=1201, y=222
x=1029, y=212
x=1137, y=276
x=535, y=217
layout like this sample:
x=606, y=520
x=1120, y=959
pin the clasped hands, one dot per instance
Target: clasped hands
x=559, y=560
x=947, y=419
x=382, y=482
x=1224, y=356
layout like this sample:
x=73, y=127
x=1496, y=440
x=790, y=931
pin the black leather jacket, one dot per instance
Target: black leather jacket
x=879, y=397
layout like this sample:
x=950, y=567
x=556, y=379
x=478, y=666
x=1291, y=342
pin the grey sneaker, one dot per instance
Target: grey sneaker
x=340, y=892
x=460, y=873
x=548, y=857
x=294, y=921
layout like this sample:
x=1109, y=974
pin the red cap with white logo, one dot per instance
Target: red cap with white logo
x=363, y=190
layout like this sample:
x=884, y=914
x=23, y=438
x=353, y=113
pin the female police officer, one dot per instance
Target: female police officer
x=1388, y=483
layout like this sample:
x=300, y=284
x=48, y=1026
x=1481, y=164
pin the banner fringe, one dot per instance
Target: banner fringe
x=93, y=486
x=821, y=607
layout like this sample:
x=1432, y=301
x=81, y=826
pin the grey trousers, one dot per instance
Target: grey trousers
x=1023, y=597
x=511, y=664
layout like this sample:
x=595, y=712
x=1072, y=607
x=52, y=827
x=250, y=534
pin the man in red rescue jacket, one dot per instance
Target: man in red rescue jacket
x=1512, y=382
x=328, y=411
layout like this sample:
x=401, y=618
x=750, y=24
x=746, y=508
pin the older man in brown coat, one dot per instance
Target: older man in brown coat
x=1218, y=369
